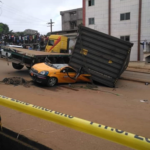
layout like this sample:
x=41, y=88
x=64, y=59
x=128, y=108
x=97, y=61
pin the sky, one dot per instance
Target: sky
x=34, y=14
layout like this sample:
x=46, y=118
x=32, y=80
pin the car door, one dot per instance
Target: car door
x=64, y=78
x=49, y=45
x=53, y=45
x=84, y=78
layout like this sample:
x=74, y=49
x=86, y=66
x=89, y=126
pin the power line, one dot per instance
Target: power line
x=10, y=8
x=20, y=12
x=25, y=17
x=20, y=22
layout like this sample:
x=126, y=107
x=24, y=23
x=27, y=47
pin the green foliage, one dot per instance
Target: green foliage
x=1, y=28
x=48, y=34
x=4, y=29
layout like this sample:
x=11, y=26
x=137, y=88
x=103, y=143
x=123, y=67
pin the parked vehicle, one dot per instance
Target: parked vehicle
x=51, y=74
x=57, y=44
x=100, y=55
x=6, y=53
x=56, y=50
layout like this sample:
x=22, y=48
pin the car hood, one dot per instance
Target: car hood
x=43, y=67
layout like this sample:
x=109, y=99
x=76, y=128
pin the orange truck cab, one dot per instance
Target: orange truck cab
x=57, y=44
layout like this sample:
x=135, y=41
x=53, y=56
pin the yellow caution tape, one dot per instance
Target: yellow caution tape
x=109, y=133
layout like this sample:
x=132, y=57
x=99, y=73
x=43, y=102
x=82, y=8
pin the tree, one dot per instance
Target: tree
x=48, y=34
x=19, y=33
x=4, y=29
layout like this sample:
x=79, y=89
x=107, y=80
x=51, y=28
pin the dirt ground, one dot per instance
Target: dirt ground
x=119, y=108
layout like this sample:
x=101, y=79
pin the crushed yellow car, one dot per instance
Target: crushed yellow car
x=51, y=74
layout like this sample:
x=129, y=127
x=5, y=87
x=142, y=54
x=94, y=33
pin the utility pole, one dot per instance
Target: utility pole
x=51, y=24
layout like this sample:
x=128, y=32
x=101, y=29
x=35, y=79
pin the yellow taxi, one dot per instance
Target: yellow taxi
x=51, y=74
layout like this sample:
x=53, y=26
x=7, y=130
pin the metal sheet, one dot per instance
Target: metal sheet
x=104, y=57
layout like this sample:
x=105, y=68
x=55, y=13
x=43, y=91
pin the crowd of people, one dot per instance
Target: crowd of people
x=8, y=39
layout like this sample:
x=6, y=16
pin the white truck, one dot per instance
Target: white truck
x=7, y=54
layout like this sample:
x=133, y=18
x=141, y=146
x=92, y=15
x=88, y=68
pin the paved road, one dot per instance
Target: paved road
x=120, y=108
x=136, y=76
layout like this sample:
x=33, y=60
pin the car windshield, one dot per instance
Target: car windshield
x=51, y=42
x=56, y=66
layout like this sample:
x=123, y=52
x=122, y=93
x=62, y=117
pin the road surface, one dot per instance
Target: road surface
x=119, y=108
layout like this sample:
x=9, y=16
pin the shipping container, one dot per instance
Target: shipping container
x=103, y=56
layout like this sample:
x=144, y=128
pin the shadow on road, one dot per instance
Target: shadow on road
x=20, y=73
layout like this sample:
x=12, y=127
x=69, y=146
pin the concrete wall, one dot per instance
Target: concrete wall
x=145, y=25
x=67, y=16
x=66, y=26
x=100, y=12
x=121, y=28
x=80, y=14
x=126, y=27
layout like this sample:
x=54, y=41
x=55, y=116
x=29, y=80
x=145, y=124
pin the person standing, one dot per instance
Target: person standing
x=5, y=39
x=30, y=47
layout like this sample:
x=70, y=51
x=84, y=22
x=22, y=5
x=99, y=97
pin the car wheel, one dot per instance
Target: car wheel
x=0, y=54
x=52, y=82
x=17, y=66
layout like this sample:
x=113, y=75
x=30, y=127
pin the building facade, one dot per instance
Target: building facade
x=30, y=31
x=125, y=19
x=71, y=18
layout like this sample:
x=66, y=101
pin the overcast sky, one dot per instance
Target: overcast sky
x=34, y=14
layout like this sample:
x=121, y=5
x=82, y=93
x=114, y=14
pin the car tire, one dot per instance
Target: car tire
x=0, y=54
x=52, y=82
x=17, y=66
x=28, y=67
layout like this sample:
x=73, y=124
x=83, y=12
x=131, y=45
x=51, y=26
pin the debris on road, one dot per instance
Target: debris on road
x=143, y=101
x=91, y=87
x=146, y=83
x=17, y=81
x=86, y=86
x=70, y=88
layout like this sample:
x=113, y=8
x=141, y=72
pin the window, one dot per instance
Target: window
x=73, y=13
x=91, y=2
x=51, y=42
x=69, y=70
x=125, y=16
x=125, y=38
x=91, y=21
x=73, y=24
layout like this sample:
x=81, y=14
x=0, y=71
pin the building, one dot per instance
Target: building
x=30, y=31
x=126, y=19
x=71, y=18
